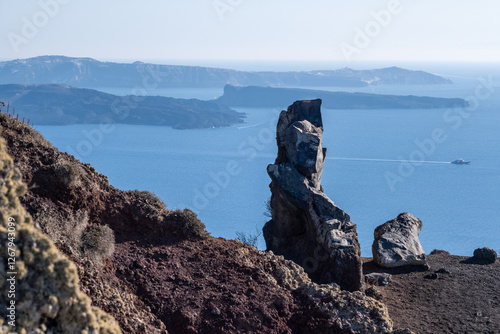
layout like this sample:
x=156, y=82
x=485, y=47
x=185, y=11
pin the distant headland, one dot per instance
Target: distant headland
x=91, y=73
x=258, y=97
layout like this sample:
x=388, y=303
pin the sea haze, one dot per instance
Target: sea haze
x=221, y=173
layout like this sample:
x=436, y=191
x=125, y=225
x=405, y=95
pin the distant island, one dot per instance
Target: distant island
x=90, y=73
x=260, y=97
x=56, y=104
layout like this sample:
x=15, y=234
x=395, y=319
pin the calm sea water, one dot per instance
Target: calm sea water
x=379, y=163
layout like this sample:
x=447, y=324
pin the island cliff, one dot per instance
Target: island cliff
x=57, y=104
x=262, y=97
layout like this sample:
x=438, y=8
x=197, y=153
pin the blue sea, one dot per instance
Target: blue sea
x=379, y=163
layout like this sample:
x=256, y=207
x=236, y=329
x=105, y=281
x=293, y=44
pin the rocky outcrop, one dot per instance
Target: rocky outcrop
x=485, y=255
x=396, y=243
x=43, y=291
x=378, y=278
x=306, y=226
x=164, y=273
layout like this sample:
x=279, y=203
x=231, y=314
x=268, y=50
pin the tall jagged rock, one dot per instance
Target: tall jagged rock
x=306, y=226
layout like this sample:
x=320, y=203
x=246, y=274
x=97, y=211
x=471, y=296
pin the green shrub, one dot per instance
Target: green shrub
x=190, y=225
x=373, y=292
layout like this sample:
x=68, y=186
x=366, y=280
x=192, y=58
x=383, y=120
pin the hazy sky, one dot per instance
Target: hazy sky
x=190, y=30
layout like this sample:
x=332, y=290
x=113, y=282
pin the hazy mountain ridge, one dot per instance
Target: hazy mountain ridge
x=90, y=73
x=56, y=104
x=258, y=97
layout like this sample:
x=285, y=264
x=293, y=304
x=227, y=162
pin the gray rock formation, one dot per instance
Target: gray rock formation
x=378, y=278
x=396, y=243
x=485, y=255
x=306, y=226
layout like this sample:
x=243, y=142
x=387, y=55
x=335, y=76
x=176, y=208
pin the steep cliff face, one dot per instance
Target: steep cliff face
x=42, y=293
x=165, y=272
x=306, y=226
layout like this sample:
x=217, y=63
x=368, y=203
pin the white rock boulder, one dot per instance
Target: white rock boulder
x=396, y=243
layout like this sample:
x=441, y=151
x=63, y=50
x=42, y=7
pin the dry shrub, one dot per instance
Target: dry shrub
x=146, y=205
x=68, y=174
x=249, y=238
x=76, y=235
x=146, y=197
x=98, y=242
x=64, y=229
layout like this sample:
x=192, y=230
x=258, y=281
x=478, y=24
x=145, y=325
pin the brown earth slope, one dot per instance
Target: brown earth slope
x=40, y=292
x=158, y=271
x=462, y=298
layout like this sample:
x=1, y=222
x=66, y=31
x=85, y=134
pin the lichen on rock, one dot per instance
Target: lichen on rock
x=47, y=293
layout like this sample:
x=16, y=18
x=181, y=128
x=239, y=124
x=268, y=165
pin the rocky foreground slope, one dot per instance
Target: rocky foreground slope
x=40, y=289
x=157, y=271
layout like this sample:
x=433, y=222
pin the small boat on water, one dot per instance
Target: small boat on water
x=460, y=162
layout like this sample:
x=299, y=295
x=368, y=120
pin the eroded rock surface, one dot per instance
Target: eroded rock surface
x=306, y=226
x=378, y=278
x=396, y=243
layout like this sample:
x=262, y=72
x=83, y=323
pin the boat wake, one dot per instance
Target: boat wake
x=251, y=126
x=390, y=160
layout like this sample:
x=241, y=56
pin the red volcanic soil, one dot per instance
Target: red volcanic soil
x=464, y=300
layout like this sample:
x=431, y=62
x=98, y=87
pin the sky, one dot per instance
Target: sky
x=198, y=31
